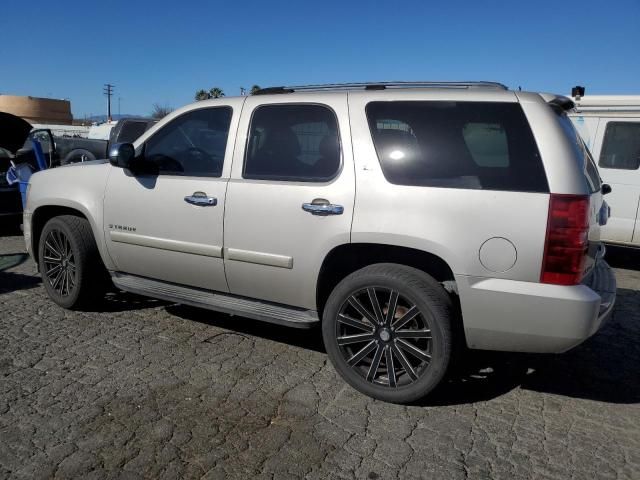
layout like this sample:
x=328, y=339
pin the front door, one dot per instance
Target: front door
x=290, y=196
x=619, y=164
x=169, y=225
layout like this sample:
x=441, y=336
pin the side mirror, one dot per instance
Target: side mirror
x=121, y=155
x=606, y=188
x=44, y=147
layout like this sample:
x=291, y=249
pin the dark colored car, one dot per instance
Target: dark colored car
x=14, y=132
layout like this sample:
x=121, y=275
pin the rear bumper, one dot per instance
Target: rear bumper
x=510, y=315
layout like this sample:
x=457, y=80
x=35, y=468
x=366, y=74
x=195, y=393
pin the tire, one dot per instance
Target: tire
x=78, y=155
x=76, y=277
x=426, y=313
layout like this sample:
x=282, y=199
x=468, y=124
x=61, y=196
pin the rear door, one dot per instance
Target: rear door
x=617, y=150
x=290, y=197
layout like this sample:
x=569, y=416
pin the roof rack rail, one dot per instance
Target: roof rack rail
x=380, y=86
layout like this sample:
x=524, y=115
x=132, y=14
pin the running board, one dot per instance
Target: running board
x=220, y=302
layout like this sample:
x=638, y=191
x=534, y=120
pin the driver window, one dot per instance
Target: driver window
x=192, y=144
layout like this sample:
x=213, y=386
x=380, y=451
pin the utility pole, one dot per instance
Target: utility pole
x=108, y=91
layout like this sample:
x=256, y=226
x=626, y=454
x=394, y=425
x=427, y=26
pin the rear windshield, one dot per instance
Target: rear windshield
x=473, y=145
x=591, y=175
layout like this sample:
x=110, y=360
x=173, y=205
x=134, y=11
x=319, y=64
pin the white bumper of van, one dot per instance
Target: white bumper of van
x=518, y=316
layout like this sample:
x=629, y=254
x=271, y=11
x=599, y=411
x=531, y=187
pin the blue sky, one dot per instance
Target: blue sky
x=162, y=52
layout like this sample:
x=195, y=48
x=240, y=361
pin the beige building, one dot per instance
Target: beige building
x=38, y=110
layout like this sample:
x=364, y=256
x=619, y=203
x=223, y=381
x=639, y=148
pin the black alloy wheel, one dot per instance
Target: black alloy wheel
x=59, y=262
x=387, y=331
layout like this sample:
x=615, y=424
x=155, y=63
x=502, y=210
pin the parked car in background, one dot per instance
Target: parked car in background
x=476, y=222
x=14, y=132
x=96, y=145
x=610, y=126
x=16, y=147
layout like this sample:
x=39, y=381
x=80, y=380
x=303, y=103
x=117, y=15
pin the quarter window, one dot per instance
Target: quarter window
x=621, y=146
x=474, y=145
x=293, y=142
x=193, y=144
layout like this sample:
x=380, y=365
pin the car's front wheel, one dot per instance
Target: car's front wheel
x=387, y=331
x=69, y=261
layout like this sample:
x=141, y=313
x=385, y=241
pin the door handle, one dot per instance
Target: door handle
x=201, y=199
x=320, y=206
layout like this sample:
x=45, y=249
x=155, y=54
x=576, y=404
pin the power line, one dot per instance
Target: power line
x=108, y=91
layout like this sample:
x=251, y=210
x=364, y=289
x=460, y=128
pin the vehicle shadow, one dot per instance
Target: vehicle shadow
x=118, y=301
x=11, y=227
x=10, y=260
x=11, y=282
x=605, y=368
x=623, y=257
x=310, y=339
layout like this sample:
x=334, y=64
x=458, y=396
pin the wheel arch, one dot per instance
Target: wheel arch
x=42, y=214
x=347, y=258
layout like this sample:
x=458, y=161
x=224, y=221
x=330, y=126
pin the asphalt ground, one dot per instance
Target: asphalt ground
x=140, y=388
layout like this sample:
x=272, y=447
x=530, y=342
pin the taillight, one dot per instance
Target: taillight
x=567, y=241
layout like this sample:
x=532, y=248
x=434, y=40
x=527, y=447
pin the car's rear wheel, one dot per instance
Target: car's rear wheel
x=387, y=330
x=69, y=261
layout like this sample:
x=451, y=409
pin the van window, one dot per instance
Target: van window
x=621, y=146
x=474, y=145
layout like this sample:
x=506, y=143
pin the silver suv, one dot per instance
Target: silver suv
x=406, y=219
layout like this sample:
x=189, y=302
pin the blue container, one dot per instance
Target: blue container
x=23, y=192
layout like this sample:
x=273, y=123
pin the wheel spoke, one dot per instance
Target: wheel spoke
x=391, y=372
x=353, y=301
x=391, y=308
x=406, y=318
x=373, y=369
x=55, y=236
x=352, y=322
x=52, y=249
x=404, y=362
x=54, y=284
x=425, y=333
x=53, y=270
x=358, y=338
x=413, y=350
x=373, y=298
x=363, y=352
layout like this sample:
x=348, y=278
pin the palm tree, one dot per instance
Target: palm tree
x=216, y=92
x=202, y=95
x=254, y=89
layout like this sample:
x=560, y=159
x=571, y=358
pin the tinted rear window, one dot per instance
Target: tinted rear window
x=475, y=145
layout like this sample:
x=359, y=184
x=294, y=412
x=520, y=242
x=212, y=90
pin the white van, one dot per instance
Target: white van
x=610, y=126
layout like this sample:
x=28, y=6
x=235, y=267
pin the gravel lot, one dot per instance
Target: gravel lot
x=149, y=389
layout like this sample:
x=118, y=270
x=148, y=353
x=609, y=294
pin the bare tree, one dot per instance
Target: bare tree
x=160, y=111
